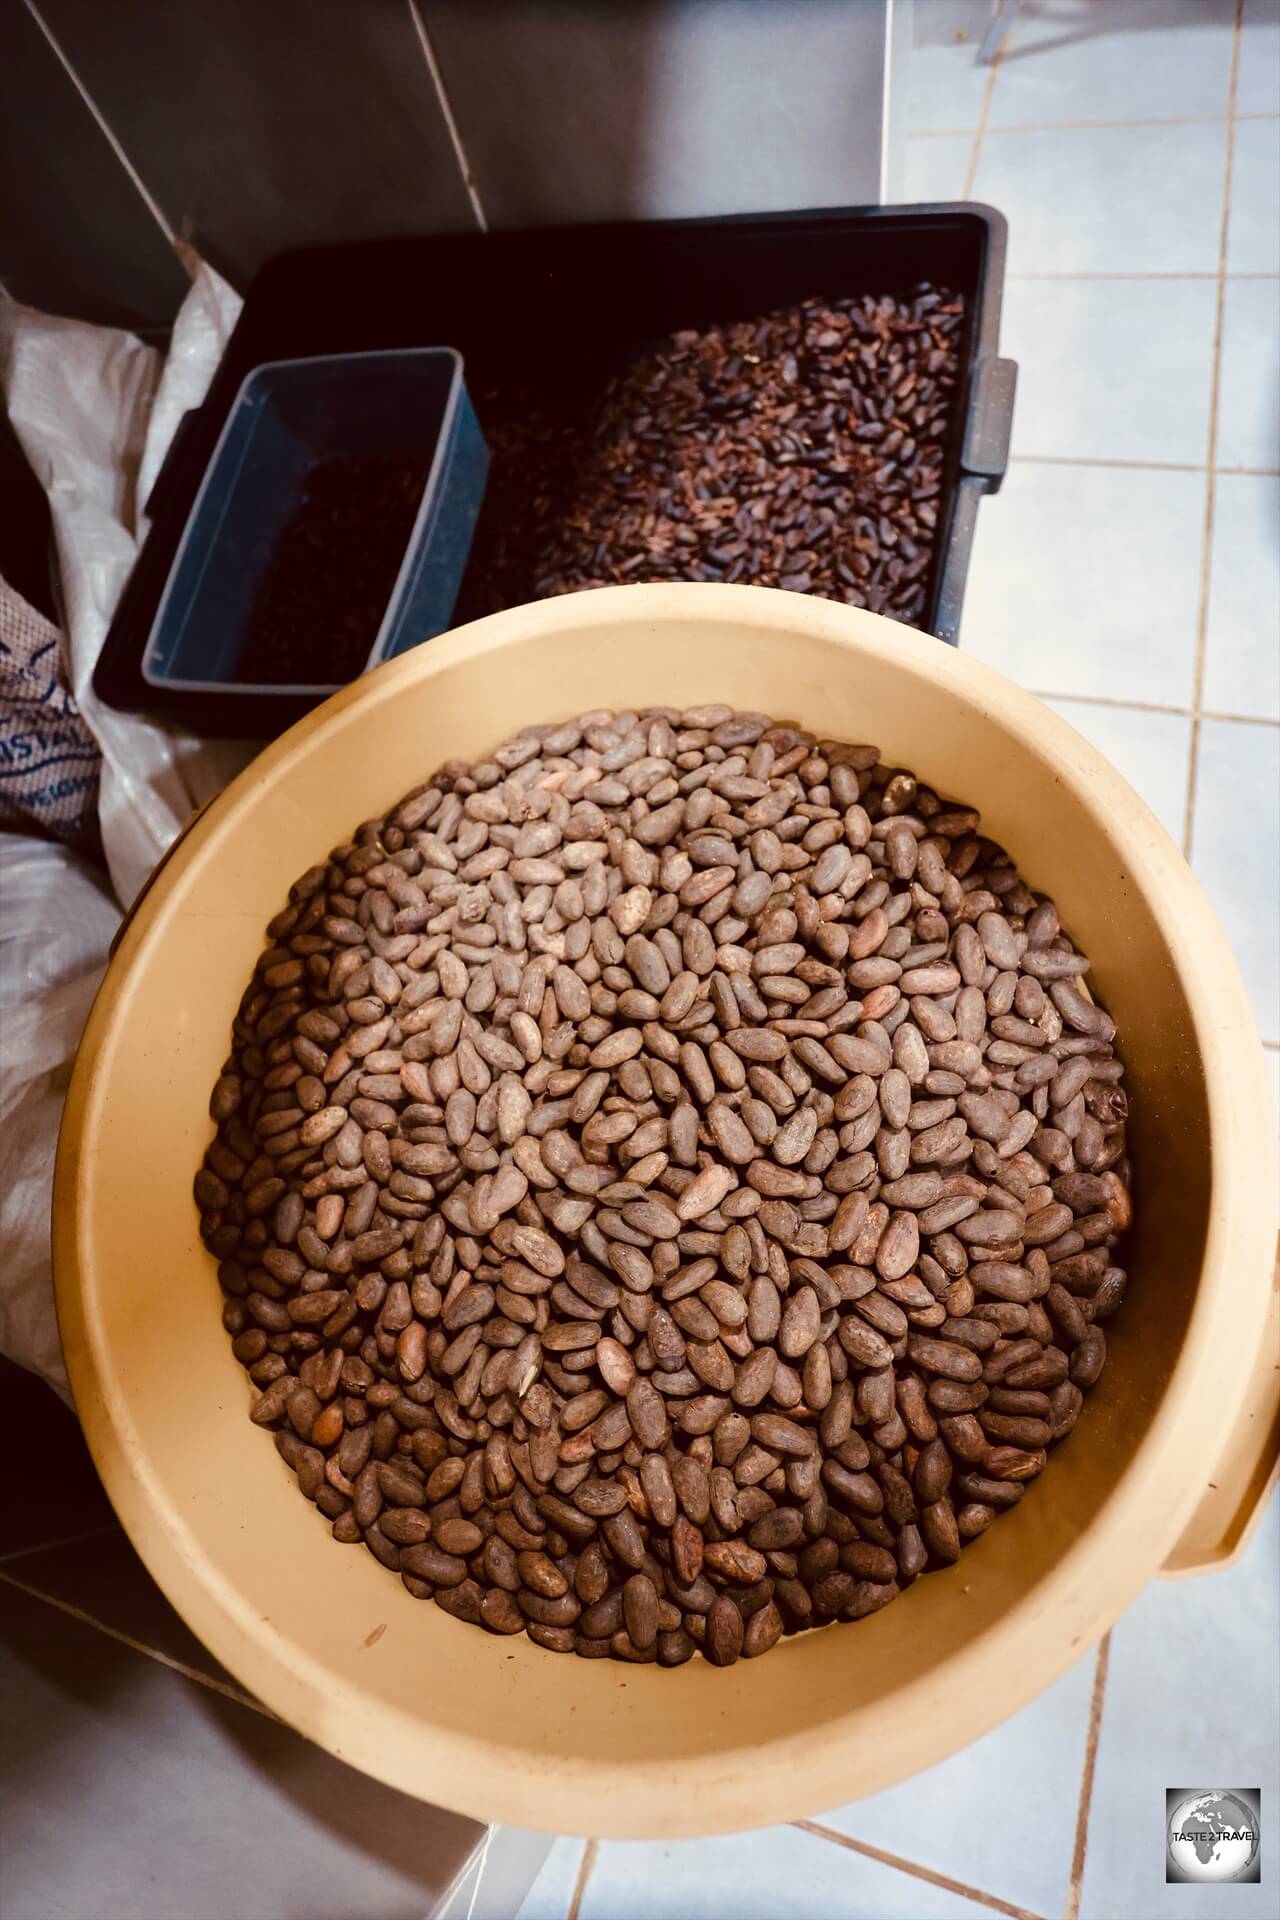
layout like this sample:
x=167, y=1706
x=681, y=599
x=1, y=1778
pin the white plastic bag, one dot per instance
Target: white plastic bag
x=57, y=919
x=50, y=763
x=95, y=410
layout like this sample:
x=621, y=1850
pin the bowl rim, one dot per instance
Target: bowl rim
x=996, y=1673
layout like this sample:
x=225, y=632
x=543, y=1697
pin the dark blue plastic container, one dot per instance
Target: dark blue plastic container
x=289, y=418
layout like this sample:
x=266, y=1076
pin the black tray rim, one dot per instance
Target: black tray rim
x=117, y=677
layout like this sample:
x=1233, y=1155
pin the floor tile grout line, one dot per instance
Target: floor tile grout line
x=63, y=1540
x=1084, y=126
x=1186, y=273
x=1210, y=492
x=1141, y=466
x=1153, y=706
x=105, y=128
x=1085, y=1803
x=943, y=133
x=590, y=1853
x=180, y=1667
x=914, y=1869
x=1154, y=120
x=976, y=149
x=1082, y=460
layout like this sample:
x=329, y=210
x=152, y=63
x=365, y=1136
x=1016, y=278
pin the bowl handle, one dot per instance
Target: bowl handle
x=1219, y=1530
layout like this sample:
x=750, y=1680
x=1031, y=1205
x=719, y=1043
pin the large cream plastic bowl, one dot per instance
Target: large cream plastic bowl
x=1164, y=1471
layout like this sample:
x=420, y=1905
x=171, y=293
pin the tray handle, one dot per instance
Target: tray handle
x=990, y=424
x=1236, y=1492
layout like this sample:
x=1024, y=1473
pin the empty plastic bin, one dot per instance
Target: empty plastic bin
x=331, y=529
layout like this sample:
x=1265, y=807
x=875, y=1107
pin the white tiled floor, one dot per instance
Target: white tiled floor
x=1136, y=356
x=1136, y=198
x=1151, y=749
x=1125, y=60
x=1259, y=57
x=941, y=1819
x=1218, y=1637
x=779, y=1873
x=1234, y=835
x=1249, y=395
x=552, y=1892
x=1242, y=660
x=1253, y=244
x=1086, y=580
x=937, y=168
x=944, y=94
x=1091, y=582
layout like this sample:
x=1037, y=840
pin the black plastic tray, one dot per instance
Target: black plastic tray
x=559, y=306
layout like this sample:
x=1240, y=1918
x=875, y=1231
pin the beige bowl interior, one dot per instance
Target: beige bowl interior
x=499, y=1728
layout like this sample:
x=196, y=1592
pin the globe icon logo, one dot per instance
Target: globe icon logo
x=1213, y=1835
